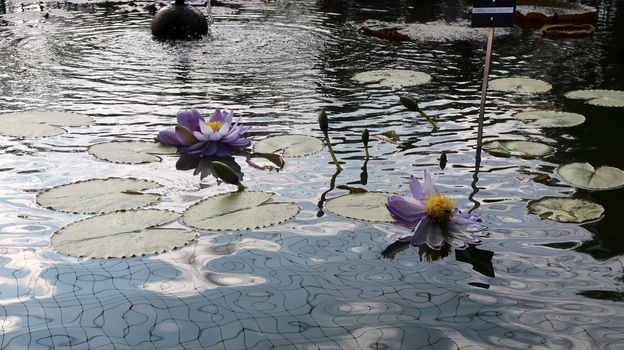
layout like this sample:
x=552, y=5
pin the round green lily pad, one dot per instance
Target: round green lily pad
x=565, y=209
x=604, y=98
x=238, y=211
x=523, y=149
x=523, y=85
x=40, y=123
x=99, y=196
x=130, y=152
x=368, y=206
x=583, y=175
x=121, y=234
x=393, y=77
x=291, y=145
x=550, y=119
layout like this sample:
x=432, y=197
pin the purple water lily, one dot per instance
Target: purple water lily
x=433, y=217
x=216, y=137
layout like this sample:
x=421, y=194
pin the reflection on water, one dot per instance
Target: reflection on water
x=318, y=281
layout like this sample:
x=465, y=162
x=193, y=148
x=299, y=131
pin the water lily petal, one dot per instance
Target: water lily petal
x=200, y=136
x=185, y=136
x=406, y=209
x=189, y=118
x=215, y=136
x=418, y=237
x=204, y=128
x=416, y=188
x=219, y=116
x=435, y=237
x=428, y=187
x=168, y=137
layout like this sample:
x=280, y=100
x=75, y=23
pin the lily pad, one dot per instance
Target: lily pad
x=517, y=148
x=550, y=119
x=583, y=175
x=130, y=152
x=121, y=234
x=40, y=123
x=604, y=98
x=369, y=206
x=290, y=145
x=565, y=209
x=99, y=196
x=238, y=211
x=393, y=77
x=523, y=85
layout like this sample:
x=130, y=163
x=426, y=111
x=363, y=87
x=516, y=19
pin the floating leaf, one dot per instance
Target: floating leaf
x=583, y=175
x=565, y=209
x=99, y=196
x=121, y=234
x=604, y=98
x=130, y=152
x=553, y=11
x=389, y=136
x=369, y=206
x=568, y=31
x=290, y=145
x=524, y=149
x=238, y=211
x=40, y=123
x=389, y=34
x=523, y=85
x=550, y=119
x=393, y=77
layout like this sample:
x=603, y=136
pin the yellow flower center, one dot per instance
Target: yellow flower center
x=215, y=126
x=439, y=207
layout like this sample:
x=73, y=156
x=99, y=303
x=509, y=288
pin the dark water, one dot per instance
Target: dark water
x=313, y=282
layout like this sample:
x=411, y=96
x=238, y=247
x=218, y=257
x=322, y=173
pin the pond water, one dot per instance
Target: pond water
x=317, y=281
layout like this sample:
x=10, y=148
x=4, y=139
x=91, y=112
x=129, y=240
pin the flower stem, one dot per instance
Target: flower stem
x=331, y=151
x=431, y=121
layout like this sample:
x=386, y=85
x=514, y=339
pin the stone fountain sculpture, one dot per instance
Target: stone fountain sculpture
x=179, y=21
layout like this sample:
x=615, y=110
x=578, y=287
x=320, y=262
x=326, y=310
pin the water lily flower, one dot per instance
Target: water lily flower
x=433, y=217
x=195, y=136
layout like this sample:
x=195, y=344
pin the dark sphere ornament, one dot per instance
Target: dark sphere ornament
x=179, y=21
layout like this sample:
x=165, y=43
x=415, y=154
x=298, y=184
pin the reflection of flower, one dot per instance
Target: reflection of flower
x=433, y=216
x=194, y=136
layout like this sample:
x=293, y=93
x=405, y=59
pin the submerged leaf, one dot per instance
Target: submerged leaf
x=523, y=85
x=238, y=211
x=565, y=209
x=550, y=119
x=604, y=98
x=583, y=175
x=40, y=123
x=121, y=234
x=393, y=77
x=290, y=145
x=369, y=206
x=524, y=149
x=99, y=196
x=130, y=152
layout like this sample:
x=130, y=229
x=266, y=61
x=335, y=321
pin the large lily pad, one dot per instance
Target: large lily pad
x=565, y=209
x=583, y=175
x=121, y=234
x=290, y=145
x=40, y=123
x=523, y=85
x=130, y=152
x=604, y=98
x=368, y=206
x=524, y=149
x=99, y=196
x=238, y=211
x=393, y=77
x=550, y=119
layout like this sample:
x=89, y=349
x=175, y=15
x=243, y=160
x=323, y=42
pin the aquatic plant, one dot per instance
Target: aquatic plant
x=195, y=136
x=433, y=217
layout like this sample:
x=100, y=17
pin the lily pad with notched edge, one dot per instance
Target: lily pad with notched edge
x=393, y=77
x=99, y=196
x=121, y=234
x=550, y=119
x=369, y=206
x=583, y=175
x=565, y=209
x=291, y=145
x=40, y=123
x=238, y=211
x=523, y=149
x=523, y=85
x=130, y=152
x=604, y=98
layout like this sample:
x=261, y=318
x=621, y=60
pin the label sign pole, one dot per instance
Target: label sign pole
x=488, y=14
